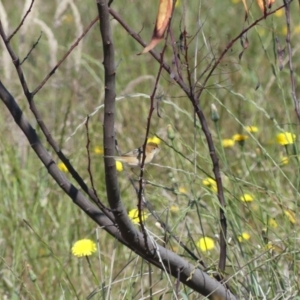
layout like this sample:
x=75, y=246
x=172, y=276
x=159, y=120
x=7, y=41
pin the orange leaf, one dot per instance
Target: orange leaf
x=162, y=21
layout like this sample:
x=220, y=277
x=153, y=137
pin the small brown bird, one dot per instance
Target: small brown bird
x=134, y=158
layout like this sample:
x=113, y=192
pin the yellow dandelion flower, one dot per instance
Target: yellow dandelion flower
x=240, y=137
x=285, y=138
x=279, y=13
x=290, y=215
x=62, y=167
x=84, y=247
x=245, y=236
x=226, y=143
x=272, y=223
x=246, y=198
x=284, y=160
x=98, y=150
x=154, y=140
x=270, y=246
x=134, y=216
x=252, y=129
x=119, y=166
x=182, y=190
x=174, y=209
x=205, y=244
x=211, y=183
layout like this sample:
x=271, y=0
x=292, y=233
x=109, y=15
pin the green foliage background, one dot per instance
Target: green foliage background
x=250, y=92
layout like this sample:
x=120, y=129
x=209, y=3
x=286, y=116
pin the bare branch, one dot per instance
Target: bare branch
x=65, y=56
x=22, y=22
x=127, y=229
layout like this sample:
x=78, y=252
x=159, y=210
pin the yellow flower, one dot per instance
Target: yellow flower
x=235, y=1
x=182, y=190
x=252, y=129
x=84, y=247
x=284, y=160
x=272, y=223
x=134, y=216
x=240, y=137
x=205, y=244
x=246, y=198
x=119, y=166
x=285, y=138
x=154, y=140
x=226, y=143
x=244, y=237
x=177, y=3
x=270, y=246
x=174, y=209
x=279, y=13
x=290, y=215
x=98, y=150
x=62, y=167
x=211, y=183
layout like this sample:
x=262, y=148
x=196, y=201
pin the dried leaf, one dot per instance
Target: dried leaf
x=162, y=21
x=264, y=4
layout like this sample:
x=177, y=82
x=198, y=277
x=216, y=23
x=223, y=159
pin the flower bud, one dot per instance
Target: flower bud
x=171, y=133
x=214, y=113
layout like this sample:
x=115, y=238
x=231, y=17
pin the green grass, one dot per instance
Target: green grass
x=39, y=224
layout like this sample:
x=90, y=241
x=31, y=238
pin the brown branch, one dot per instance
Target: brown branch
x=127, y=229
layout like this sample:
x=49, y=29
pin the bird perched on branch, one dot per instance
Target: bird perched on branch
x=134, y=158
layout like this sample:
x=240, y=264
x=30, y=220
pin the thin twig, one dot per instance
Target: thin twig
x=32, y=48
x=22, y=22
x=88, y=141
x=65, y=56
